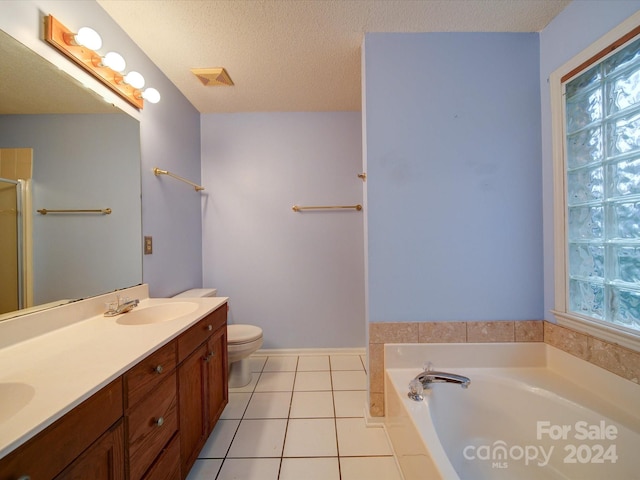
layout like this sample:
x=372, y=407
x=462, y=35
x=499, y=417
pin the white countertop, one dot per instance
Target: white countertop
x=44, y=372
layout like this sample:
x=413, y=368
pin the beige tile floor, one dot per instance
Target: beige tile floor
x=302, y=418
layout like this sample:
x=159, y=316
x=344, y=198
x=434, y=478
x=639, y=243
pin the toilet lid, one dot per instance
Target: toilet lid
x=239, y=333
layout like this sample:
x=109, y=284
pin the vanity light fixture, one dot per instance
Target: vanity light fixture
x=134, y=79
x=81, y=48
x=86, y=37
x=151, y=95
x=112, y=60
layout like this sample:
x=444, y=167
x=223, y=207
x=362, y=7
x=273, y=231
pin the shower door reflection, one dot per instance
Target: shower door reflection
x=11, y=246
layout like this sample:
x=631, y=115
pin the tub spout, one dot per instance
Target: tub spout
x=428, y=377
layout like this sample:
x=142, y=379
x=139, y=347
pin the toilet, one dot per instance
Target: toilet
x=242, y=341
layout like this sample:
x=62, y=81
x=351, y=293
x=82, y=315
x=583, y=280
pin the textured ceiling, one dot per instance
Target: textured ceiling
x=296, y=55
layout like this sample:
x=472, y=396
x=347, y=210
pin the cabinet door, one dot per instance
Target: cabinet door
x=217, y=385
x=104, y=460
x=191, y=387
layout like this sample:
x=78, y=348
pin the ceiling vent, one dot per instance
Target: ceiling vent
x=213, y=77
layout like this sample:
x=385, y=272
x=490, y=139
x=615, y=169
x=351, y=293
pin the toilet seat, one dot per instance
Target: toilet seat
x=239, y=334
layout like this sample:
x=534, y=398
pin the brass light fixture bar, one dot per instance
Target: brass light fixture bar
x=297, y=208
x=57, y=35
x=158, y=171
x=103, y=211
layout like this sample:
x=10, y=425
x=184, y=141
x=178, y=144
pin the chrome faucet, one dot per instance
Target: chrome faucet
x=429, y=377
x=120, y=306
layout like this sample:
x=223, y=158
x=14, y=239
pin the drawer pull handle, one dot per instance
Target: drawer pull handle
x=209, y=327
x=208, y=357
x=159, y=422
x=159, y=369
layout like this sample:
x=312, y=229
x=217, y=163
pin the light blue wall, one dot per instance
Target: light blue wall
x=81, y=174
x=454, y=181
x=299, y=276
x=577, y=27
x=170, y=139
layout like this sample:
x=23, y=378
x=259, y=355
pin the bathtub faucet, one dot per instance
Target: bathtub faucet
x=429, y=377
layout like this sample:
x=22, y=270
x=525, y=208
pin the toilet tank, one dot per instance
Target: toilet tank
x=198, y=293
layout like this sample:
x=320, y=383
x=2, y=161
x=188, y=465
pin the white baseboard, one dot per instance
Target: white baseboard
x=309, y=351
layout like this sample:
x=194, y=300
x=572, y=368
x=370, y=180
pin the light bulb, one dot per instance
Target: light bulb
x=151, y=95
x=134, y=79
x=88, y=37
x=114, y=61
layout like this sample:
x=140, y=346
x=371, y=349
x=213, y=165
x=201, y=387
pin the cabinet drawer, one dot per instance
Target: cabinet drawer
x=142, y=378
x=201, y=331
x=167, y=467
x=150, y=425
x=49, y=452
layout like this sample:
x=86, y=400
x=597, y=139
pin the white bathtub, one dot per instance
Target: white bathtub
x=531, y=412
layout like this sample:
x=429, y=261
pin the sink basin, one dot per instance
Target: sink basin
x=157, y=313
x=14, y=396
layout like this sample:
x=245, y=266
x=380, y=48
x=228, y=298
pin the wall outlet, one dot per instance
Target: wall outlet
x=148, y=245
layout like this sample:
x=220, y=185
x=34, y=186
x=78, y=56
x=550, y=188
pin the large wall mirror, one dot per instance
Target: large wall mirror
x=62, y=147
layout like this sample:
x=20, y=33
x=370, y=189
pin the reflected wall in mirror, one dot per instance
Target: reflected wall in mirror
x=85, y=155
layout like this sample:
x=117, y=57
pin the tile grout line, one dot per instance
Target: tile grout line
x=224, y=459
x=244, y=412
x=286, y=429
x=335, y=418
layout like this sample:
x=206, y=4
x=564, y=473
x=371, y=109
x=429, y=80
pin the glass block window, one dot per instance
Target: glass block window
x=602, y=148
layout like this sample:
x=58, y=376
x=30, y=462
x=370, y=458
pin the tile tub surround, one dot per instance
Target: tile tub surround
x=301, y=417
x=612, y=357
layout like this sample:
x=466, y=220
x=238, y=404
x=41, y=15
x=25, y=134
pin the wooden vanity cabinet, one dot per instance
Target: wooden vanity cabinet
x=151, y=413
x=202, y=383
x=148, y=424
x=87, y=439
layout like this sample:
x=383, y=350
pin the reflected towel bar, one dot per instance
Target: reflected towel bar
x=157, y=171
x=103, y=211
x=297, y=208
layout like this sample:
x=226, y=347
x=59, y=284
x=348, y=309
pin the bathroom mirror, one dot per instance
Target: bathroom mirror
x=85, y=156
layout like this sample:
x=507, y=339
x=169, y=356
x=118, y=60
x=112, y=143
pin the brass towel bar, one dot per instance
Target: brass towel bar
x=297, y=208
x=157, y=171
x=103, y=211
